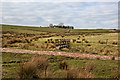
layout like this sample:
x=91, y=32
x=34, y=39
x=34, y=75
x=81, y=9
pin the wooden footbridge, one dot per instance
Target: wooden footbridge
x=61, y=43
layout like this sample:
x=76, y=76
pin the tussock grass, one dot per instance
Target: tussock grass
x=114, y=42
x=117, y=75
x=30, y=69
x=82, y=68
x=72, y=73
x=87, y=72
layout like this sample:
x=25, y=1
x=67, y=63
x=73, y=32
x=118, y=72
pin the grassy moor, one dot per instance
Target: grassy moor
x=59, y=53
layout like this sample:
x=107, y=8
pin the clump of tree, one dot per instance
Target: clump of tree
x=61, y=25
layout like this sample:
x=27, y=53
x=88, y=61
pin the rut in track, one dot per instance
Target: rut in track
x=79, y=55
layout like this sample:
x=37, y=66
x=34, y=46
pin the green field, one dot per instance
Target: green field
x=34, y=30
x=92, y=36
x=99, y=42
x=103, y=69
x=26, y=29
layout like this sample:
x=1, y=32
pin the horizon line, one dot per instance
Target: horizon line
x=47, y=26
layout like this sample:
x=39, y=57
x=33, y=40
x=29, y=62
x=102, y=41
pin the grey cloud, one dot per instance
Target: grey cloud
x=81, y=15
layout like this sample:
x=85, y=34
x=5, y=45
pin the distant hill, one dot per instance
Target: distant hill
x=27, y=29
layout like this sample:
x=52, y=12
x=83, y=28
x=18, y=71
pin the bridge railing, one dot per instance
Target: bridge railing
x=62, y=43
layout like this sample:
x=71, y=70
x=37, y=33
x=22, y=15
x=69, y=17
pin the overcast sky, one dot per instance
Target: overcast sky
x=88, y=15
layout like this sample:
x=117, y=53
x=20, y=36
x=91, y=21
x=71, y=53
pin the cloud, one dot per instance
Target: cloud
x=78, y=14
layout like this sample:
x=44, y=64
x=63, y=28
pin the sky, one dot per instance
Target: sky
x=81, y=15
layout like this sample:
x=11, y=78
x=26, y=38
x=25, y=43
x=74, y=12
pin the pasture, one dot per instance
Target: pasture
x=102, y=69
x=86, y=41
x=97, y=42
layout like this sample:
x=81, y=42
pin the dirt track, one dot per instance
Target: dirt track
x=80, y=55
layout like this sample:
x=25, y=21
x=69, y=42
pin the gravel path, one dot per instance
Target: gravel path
x=80, y=55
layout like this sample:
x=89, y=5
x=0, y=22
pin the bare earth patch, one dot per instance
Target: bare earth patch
x=82, y=55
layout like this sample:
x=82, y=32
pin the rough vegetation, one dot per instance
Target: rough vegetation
x=97, y=42
x=25, y=66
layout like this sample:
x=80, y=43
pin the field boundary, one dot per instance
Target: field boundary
x=67, y=54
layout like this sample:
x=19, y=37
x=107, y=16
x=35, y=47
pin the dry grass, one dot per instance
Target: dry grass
x=86, y=41
x=88, y=44
x=16, y=40
x=117, y=75
x=78, y=41
x=73, y=40
x=87, y=72
x=101, y=42
x=30, y=69
x=115, y=42
x=50, y=45
x=72, y=73
x=90, y=67
x=27, y=70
